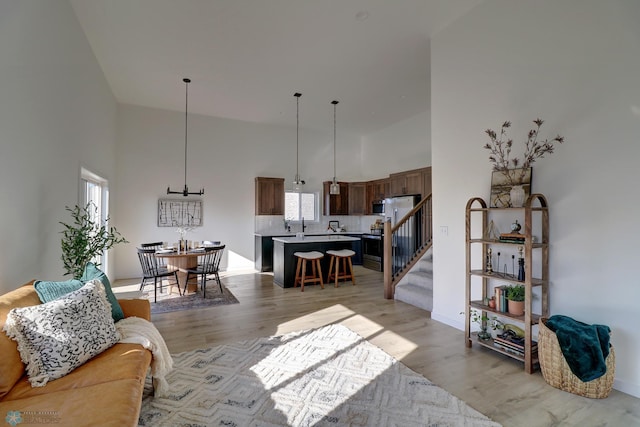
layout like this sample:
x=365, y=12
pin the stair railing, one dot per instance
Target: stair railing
x=405, y=243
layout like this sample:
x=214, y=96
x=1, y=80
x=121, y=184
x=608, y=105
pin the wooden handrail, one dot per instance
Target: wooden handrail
x=405, y=243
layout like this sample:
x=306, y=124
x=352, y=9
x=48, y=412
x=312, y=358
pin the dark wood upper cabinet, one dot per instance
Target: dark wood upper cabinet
x=269, y=196
x=410, y=182
x=357, y=198
x=336, y=204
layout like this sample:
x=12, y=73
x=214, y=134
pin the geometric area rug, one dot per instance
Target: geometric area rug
x=167, y=302
x=329, y=376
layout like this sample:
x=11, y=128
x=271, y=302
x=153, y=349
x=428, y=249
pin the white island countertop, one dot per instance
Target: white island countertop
x=315, y=239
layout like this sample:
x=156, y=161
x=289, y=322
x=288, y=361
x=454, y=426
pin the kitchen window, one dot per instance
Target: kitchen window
x=298, y=205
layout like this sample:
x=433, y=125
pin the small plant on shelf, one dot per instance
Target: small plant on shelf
x=515, y=293
x=485, y=322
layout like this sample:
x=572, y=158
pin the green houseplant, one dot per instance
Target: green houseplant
x=85, y=239
x=515, y=296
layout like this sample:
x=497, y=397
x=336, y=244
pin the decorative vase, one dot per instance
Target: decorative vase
x=483, y=334
x=516, y=307
x=517, y=196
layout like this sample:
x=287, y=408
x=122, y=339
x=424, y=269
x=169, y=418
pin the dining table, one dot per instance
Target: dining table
x=182, y=261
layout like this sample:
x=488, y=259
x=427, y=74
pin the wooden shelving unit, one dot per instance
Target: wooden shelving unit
x=479, y=215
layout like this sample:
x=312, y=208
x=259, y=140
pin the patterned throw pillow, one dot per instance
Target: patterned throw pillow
x=56, y=337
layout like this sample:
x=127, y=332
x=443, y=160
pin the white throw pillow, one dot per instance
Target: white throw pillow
x=56, y=337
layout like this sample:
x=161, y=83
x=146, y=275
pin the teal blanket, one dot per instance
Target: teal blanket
x=585, y=347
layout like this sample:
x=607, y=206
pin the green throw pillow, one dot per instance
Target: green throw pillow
x=48, y=291
x=91, y=271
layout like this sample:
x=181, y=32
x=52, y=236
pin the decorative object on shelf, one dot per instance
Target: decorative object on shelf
x=492, y=302
x=517, y=196
x=492, y=232
x=501, y=189
x=521, y=269
x=485, y=322
x=185, y=191
x=334, y=188
x=515, y=296
x=86, y=239
x=489, y=269
x=297, y=182
x=516, y=227
x=513, y=170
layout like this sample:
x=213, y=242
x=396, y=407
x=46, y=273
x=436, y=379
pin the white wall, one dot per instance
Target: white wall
x=575, y=64
x=400, y=147
x=224, y=157
x=56, y=115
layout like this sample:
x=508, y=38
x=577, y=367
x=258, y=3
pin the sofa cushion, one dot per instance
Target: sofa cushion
x=11, y=367
x=91, y=271
x=121, y=361
x=56, y=337
x=48, y=291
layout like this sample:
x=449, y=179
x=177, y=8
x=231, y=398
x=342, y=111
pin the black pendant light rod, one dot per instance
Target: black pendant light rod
x=334, y=139
x=185, y=192
x=297, y=181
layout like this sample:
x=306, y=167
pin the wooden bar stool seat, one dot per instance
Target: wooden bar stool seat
x=337, y=256
x=301, y=269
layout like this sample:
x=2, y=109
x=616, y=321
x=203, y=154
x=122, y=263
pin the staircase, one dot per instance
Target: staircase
x=405, y=244
x=416, y=287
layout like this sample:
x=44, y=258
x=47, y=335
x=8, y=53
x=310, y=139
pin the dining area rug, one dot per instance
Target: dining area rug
x=168, y=302
x=329, y=376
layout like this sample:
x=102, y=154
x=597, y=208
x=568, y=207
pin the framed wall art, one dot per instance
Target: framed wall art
x=501, y=186
x=179, y=213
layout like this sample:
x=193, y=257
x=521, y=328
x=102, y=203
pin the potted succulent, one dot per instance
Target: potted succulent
x=85, y=239
x=515, y=296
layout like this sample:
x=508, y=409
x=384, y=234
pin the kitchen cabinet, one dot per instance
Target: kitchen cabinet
x=336, y=204
x=404, y=183
x=426, y=182
x=378, y=189
x=357, y=198
x=269, y=196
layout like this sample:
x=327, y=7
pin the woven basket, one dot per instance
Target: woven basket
x=556, y=371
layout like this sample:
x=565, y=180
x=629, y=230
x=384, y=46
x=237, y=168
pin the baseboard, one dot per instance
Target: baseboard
x=455, y=323
x=627, y=387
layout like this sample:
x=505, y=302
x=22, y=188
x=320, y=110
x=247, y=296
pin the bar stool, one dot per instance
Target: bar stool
x=343, y=255
x=301, y=269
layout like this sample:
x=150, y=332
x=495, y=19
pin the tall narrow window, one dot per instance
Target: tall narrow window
x=95, y=190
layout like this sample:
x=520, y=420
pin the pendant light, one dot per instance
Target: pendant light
x=297, y=182
x=334, y=188
x=185, y=191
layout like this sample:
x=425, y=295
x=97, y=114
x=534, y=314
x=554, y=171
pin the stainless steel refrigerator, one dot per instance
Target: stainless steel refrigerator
x=407, y=239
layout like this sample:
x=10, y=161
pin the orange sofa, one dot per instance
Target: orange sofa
x=106, y=390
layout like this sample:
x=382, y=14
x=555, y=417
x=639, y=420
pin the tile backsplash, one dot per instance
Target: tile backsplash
x=274, y=224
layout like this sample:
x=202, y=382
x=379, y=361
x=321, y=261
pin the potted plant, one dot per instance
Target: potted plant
x=485, y=323
x=85, y=239
x=515, y=296
x=500, y=156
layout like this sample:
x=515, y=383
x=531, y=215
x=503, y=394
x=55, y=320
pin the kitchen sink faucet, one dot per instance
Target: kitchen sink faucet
x=304, y=227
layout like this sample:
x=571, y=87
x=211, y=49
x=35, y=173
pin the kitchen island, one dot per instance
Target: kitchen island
x=284, y=262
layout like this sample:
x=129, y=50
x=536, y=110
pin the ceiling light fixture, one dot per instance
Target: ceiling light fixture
x=334, y=188
x=297, y=182
x=185, y=192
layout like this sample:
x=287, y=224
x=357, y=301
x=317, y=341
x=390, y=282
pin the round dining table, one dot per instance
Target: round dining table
x=182, y=261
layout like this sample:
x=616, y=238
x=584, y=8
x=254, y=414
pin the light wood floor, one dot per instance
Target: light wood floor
x=493, y=384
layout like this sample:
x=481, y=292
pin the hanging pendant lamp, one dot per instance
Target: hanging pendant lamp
x=334, y=188
x=297, y=182
x=185, y=191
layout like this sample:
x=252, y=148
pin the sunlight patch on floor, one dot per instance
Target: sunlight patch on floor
x=326, y=316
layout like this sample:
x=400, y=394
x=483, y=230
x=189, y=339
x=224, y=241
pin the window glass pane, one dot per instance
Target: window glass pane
x=308, y=206
x=291, y=206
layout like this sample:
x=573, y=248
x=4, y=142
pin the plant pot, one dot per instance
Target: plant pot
x=484, y=335
x=517, y=196
x=516, y=307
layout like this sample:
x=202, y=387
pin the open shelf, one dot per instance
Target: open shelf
x=489, y=344
x=478, y=305
x=506, y=278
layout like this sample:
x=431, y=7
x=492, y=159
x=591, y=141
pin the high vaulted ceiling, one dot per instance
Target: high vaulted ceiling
x=247, y=58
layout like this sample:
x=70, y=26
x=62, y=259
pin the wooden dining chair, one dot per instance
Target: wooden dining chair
x=152, y=269
x=208, y=264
